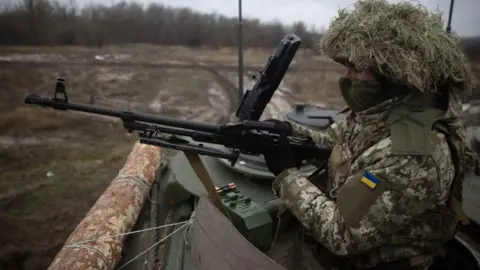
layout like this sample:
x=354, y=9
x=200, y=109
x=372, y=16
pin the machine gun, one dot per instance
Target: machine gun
x=247, y=137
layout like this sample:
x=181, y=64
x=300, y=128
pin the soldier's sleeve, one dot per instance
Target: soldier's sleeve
x=333, y=134
x=381, y=196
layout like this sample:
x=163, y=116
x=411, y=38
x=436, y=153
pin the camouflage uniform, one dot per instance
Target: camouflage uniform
x=403, y=216
x=399, y=157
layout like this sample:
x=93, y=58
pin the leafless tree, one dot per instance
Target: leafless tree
x=47, y=22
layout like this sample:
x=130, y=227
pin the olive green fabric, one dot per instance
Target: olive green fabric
x=355, y=199
x=411, y=130
x=402, y=42
x=361, y=94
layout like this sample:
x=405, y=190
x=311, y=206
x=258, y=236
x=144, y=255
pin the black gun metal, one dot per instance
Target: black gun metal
x=254, y=101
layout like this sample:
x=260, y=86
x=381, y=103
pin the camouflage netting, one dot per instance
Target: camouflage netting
x=403, y=42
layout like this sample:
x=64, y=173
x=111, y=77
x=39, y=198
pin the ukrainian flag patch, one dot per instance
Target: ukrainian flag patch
x=369, y=179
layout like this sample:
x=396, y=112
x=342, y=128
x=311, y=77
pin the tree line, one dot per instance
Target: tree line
x=48, y=22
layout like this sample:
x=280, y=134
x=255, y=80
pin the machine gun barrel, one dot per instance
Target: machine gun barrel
x=125, y=115
x=249, y=137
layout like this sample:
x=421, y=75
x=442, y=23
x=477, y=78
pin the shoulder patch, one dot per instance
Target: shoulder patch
x=369, y=180
x=356, y=197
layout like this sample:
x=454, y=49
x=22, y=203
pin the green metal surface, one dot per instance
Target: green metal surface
x=259, y=191
x=250, y=219
x=177, y=244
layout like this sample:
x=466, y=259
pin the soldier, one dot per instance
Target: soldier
x=399, y=157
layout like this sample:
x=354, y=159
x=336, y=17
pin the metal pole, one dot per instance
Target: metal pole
x=449, y=27
x=240, y=53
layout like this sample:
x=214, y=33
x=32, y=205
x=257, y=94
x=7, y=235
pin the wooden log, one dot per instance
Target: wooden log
x=115, y=212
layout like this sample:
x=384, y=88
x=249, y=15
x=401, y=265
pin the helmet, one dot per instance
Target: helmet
x=403, y=43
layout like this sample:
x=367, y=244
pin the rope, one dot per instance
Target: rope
x=155, y=244
x=142, y=185
x=94, y=249
x=188, y=231
x=123, y=234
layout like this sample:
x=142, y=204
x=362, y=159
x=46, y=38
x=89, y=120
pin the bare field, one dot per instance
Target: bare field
x=150, y=54
x=56, y=164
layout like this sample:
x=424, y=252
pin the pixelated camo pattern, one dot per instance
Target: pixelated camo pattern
x=408, y=219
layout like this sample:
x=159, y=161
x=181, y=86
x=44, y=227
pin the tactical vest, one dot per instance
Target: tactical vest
x=407, y=126
x=410, y=132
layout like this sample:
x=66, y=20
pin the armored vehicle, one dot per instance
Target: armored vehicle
x=212, y=242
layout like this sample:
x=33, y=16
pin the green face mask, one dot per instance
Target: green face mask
x=359, y=94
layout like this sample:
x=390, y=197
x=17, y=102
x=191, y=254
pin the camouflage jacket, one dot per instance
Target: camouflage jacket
x=377, y=206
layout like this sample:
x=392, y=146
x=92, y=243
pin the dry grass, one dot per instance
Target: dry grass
x=405, y=42
x=48, y=187
x=58, y=163
x=29, y=120
x=316, y=87
x=144, y=53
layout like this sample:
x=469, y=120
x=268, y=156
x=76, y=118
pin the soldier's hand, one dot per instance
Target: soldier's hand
x=280, y=158
x=285, y=125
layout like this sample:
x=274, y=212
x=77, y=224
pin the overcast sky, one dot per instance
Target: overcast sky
x=318, y=13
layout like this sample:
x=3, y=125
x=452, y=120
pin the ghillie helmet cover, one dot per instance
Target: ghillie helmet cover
x=403, y=42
